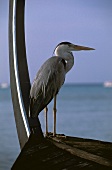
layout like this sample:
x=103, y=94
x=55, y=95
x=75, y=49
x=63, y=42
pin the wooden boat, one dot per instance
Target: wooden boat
x=64, y=152
x=57, y=153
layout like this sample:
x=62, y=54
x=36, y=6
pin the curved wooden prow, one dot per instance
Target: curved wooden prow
x=19, y=76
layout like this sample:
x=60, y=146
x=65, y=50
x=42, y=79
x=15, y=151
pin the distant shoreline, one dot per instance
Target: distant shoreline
x=6, y=85
x=83, y=84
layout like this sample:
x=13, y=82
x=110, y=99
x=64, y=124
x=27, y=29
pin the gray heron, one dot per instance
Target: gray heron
x=50, y=78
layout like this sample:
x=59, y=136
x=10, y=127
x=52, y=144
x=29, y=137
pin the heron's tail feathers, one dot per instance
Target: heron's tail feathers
x=34, y=122
x=33, y=110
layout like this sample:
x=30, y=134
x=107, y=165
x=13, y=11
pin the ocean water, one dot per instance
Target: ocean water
x=82, y=111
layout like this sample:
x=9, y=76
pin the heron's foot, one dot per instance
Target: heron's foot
x=61, y=136
x=50, y=134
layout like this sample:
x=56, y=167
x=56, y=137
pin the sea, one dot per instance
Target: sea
x=83, y=110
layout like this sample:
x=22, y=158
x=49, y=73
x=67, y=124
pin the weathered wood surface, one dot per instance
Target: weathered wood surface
x=63, y=152
x=93, y=150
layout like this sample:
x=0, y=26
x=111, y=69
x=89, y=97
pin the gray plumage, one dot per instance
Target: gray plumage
x=47, y=84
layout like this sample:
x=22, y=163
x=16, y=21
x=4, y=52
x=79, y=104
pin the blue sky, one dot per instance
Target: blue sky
x=47, y=23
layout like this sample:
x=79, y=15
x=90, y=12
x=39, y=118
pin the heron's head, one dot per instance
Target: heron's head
x=67, y=47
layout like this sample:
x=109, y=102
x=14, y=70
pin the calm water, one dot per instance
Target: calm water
x=82, y=111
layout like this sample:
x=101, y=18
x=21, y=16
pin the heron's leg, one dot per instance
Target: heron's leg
x=54, y=117
x=46, y=120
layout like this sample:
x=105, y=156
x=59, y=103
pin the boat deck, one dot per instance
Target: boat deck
x=64, y=153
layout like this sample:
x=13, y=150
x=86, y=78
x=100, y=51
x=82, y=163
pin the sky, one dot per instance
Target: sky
x=47, y=23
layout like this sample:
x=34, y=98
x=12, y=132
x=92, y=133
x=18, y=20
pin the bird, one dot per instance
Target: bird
x=49, y=79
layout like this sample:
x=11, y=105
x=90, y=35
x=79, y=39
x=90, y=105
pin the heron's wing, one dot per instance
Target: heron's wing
x=47, y=83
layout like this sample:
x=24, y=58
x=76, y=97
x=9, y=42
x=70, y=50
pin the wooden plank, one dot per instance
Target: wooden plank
x=81, y=153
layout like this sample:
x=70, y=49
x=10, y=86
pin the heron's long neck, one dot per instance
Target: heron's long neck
x=69, y=58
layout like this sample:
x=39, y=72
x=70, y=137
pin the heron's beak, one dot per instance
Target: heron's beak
x=78, y=48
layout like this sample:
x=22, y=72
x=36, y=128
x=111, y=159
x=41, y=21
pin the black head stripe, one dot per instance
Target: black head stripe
x=64, y=43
